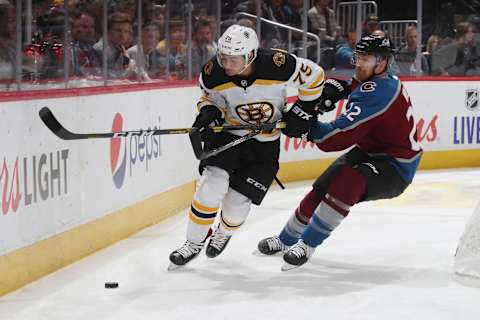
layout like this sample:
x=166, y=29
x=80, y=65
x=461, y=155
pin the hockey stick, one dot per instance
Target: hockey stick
x=56, y=127
x=280, y=184
x=202, y=155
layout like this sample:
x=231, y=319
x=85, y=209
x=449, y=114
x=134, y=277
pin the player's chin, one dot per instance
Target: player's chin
x=361, y=75
x=230, y=73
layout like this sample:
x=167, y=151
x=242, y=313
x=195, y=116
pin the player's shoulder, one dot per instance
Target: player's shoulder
x=213, y=75
x=379, y=90
x=275, y=64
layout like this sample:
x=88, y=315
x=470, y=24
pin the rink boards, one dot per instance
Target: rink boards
x=62, y=200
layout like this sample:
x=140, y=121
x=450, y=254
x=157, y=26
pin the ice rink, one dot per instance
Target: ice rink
x=388, y=260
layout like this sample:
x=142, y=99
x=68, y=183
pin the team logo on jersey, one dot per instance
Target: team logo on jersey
x=368, y=86
x=471, y=99
x=279, y=59
x=208, y=68
x=258, y=112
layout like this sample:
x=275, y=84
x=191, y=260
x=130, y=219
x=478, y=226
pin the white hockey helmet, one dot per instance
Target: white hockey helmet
x=238, y=41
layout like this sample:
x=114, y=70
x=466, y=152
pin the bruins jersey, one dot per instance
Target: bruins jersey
x=261, y=97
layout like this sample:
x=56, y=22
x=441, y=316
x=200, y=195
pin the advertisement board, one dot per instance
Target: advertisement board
x=49, y=186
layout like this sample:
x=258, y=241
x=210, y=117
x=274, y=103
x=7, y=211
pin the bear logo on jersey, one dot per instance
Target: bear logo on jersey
x=279, y=59
x=471, y=99
x=258, y=112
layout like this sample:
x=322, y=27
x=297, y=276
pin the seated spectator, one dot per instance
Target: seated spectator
x=7, y=42
x=371, y=24
x=200, y=12
x=86, y=61
x=203, y=46
x=158, y=18
x=276, y=11
x=393, y=64
x=47, y=61
x=270, y=35
x=277, y=37
x=405, y=56
x=324, y=23
x=294, y=11
x=177, y=54
x=119, y=37
x=467, y=60
x=432, y=44
x=250, y=6
x=344, y=51
x=151, y=64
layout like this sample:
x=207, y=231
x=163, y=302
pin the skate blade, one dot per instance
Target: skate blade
x=173, y=266
x=287, y=266
x=258, y=253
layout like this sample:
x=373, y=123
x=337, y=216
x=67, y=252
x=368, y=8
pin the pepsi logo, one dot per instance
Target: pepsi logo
x=131, y=155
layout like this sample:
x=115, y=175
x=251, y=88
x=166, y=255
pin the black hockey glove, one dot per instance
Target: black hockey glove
x=208, y=116
x=300, y=118
x=333, y=91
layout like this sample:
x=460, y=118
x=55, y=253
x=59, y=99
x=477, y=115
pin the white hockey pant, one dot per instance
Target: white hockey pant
x=213, y=191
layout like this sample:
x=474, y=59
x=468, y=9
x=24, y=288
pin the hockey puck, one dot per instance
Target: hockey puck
x=111, y=285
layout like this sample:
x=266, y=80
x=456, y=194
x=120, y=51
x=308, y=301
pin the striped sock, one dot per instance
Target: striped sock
x=327, y=216
x=200, y=220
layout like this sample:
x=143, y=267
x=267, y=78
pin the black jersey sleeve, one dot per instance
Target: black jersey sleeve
x=213, y=75
x=275, y=64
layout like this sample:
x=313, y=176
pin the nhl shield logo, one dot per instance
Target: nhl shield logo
x=471, y=99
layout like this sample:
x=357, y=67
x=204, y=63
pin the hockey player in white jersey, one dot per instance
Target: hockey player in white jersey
x=241, y=85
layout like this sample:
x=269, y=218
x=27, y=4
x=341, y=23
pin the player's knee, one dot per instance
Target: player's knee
x=307, y=206
x=235, y=209
x=235, y=206
x=212, y=186
x=347, y=186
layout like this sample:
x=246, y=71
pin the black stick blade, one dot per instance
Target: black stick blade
x=54, y=125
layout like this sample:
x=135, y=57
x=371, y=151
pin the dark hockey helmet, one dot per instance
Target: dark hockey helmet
x=377, y=45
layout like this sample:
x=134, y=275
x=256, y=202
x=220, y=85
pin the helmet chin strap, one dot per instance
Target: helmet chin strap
x=248, y=63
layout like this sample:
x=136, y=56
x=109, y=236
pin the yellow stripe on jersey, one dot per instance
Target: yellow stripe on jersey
x=204, y=103
x=318, y=81
x=200, y=207
x=224, y=86
x=309, y=92
x=267, y=82
x=198, y=220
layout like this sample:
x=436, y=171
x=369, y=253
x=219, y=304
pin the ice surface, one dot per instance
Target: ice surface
x=389, y=259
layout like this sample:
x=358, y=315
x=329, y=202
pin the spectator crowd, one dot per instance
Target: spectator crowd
x=152, y=42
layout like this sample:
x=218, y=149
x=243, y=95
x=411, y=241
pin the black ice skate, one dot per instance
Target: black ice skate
x=218, y=242
x=297, y=255
x=272, y=245
x=184, y=254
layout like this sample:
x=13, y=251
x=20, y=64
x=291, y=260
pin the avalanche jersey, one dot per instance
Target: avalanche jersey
x=379, y=120
x=261, y=97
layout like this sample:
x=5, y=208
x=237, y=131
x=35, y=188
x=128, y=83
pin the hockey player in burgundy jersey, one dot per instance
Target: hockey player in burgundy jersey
x=379, y=125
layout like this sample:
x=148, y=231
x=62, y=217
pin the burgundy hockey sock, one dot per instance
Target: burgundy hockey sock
x=346, y=189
